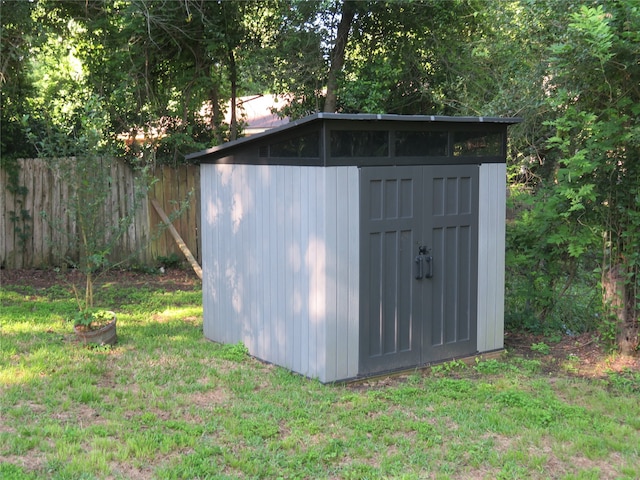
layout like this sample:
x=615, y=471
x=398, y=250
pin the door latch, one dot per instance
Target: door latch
x=423, y=257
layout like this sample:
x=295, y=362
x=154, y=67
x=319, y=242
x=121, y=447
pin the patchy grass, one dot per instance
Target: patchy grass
x=165, y=403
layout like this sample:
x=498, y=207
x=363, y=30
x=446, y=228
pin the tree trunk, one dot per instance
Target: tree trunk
x=337, y=55
x=216, y=115
x=618, y=303
x=88, y=293
x=233, y=74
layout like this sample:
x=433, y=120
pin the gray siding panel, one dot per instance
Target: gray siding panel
x=332, y=267
x=491, y=253
x=304, y=281
x=280, y=263
x=342, y=272
x=209, y=257
x=353, y=329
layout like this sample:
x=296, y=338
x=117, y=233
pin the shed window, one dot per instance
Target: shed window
x=477, y=144
x=304, y=146
x=359, y=143
x=420, y=144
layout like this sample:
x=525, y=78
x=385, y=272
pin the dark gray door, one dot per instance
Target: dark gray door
x=418, y=265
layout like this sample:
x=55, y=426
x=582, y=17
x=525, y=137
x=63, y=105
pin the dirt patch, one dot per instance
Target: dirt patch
x=577, y=355
x=210, y=398
x=33, y=462
x=171, y=280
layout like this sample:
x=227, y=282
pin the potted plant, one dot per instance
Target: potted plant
x=95, y=327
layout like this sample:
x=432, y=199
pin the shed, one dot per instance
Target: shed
x=342, y=246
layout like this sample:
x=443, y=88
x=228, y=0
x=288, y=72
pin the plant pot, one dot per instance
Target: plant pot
x=103, y=335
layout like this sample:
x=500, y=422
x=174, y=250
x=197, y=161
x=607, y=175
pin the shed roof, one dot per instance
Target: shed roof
x=226, y=148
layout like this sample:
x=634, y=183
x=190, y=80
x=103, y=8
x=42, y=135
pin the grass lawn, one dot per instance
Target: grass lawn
x=165, y=403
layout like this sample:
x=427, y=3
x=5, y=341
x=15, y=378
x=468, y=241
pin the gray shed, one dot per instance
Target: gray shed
x=342, y=246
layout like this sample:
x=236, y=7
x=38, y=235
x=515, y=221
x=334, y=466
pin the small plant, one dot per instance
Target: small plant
x=170, y=261
x=91, y=319
x=490, y=367
x=541, y=347
x=87, y=317
x=448, y=367
x=609, y=333
x=235, y=352
x=625, y=381
x=572, y=363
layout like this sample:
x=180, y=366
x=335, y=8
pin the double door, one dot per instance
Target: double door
x=419, y=257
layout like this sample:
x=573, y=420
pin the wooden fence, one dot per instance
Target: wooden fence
x=35, y=226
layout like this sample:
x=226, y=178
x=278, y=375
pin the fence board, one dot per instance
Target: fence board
x=193, y=184
x=168, y=195
x=159, y=243
x=3, y=210
x=47, y=242
x=35, y=203
x=7, y=204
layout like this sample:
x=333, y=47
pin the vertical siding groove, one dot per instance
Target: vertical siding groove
x=305, y=182
x=354, y=273
x=329, y=346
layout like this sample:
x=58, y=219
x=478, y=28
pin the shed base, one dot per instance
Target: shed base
x=469, y=360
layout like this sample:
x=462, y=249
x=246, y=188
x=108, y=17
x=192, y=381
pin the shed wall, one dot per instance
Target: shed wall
x=491, y=255
x=280, y=264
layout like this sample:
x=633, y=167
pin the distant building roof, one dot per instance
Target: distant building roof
x=256, y=112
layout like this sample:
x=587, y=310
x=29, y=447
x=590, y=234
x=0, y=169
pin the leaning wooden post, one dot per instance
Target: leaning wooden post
x=176, y=236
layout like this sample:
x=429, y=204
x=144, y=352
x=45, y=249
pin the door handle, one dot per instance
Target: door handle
x=419, y=267
x=422, y=258
x=429, y=260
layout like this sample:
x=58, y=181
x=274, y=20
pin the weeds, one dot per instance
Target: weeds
x=541, y=347
x=448, y=367
x=236, y=352
x=625, y=381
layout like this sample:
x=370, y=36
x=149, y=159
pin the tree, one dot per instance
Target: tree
x=81, y=158
x=409, y=57
x=18, y=33
x=338, y=55
x=391, y=57
x=160, y=64
x=595, y=95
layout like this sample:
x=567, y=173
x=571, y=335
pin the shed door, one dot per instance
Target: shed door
x=418, y=265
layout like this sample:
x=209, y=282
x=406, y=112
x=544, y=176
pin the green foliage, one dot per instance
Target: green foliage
x=236, y=352
x=576, y=225
x=21, y=218
x=626, y=381
x=609, y=332
x=89, y=317
x=10, y=471
x=448, y=367
x=17, y=36
x=548, y=290
x=172, y=260
x=541, y=347
x=596, y=143
x=487, y=367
